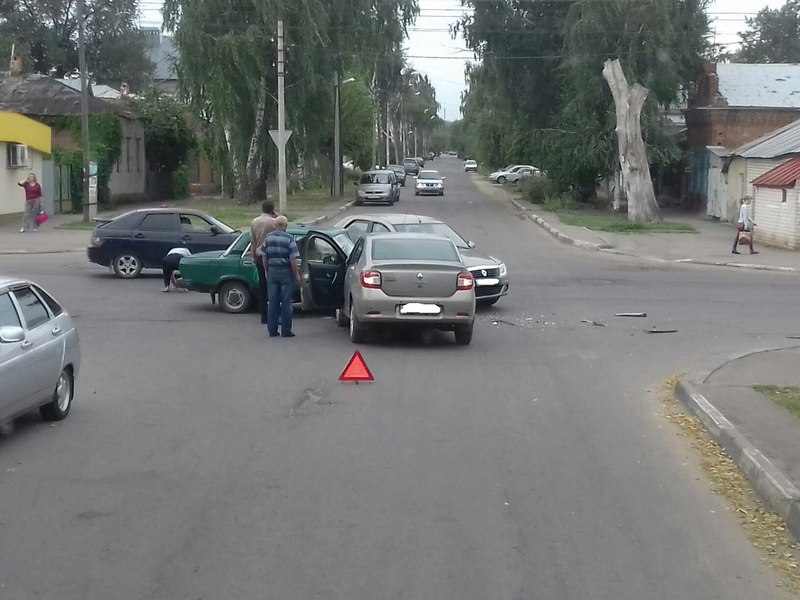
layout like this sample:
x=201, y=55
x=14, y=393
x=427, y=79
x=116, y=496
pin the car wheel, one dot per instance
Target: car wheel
x=464, y=334
x=416, y=193
x=358, y=332
x=341, y=318
x=488, y=302
x=59, y=406
x=127, y=266
x=501, y=180
x=235, y=297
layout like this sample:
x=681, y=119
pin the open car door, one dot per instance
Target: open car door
x=322, y=272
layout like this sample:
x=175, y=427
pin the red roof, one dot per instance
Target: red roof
x=782, y=176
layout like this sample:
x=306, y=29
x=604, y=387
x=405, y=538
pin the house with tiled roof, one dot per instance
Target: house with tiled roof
x=731, y=106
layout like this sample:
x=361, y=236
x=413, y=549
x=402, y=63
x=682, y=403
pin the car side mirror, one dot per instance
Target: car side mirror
x=443, y=178
x=11, y=334
x=472, y=244
x=215, y=230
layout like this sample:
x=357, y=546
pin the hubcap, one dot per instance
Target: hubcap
x=234, y=298
x=127, y=265
x=63, y=392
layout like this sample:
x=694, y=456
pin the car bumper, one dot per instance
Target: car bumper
x=376, y=307
x=489, y=287
x=98, y=256
x=374, y=198
x=429, y=191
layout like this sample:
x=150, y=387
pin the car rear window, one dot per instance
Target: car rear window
x=126, y=221
x=159, y=222
x=414, y=249
x=375, y=178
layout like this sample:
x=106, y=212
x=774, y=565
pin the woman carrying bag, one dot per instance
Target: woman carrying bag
x=33, y=203
x=744, y=227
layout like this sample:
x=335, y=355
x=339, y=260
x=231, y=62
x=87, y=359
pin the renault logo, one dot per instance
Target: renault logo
x=483, y=272
x=420, y=282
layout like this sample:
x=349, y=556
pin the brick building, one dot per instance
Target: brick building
x=734, y=104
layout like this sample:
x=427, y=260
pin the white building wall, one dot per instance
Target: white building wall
x=12, y=197
x=775, y=212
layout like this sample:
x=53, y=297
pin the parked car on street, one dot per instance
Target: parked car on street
x=404, y=280
x=429, y=182
x=411, y=166
x=231, y=276
x=400, y=172
x=420, y=161
x=490, y=273
x=512, y=173
x=377, y=186
x=39, y=352
x=470, y=165
x=141, y=238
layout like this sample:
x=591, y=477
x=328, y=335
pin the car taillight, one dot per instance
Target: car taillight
x=371, y=279
x=465, y=281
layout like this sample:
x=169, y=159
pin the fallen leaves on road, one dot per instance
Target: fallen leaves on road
x=767, y=529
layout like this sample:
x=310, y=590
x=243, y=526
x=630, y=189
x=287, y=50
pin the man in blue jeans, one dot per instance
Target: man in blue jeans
x=279, y=254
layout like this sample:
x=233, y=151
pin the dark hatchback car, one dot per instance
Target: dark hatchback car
x=411, y=166
x=141, y=238
x=400, y=171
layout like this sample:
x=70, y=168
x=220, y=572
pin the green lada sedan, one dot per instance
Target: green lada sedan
x=231, y=276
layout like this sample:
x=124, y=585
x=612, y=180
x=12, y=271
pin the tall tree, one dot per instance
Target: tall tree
x=772, y=36
x=46, y=36
x=660, y=44
x=227, y=70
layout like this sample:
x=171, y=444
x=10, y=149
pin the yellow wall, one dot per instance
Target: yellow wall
x=19, y=129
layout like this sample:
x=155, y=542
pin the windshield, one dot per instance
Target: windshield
x=440, y=229
x=375, y=178
x=414, y=249
x=429, y=175
x=345, y=242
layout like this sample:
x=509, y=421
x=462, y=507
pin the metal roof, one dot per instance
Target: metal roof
x=781, y=142
x=785, y=175
x=763, y=85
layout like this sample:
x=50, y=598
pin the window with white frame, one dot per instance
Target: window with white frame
x=17, y=156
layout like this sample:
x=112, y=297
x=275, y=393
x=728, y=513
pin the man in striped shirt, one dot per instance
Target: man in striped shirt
x=279, y=254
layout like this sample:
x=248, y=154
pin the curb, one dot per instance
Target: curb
x=610, y=249
x=771, y=484
x=322, y=218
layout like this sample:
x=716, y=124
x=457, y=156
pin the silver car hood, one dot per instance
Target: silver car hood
x=473, y=259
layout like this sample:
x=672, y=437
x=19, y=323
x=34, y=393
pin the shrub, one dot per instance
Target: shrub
x=179, y=182
x=559, y=202
x=536, y=189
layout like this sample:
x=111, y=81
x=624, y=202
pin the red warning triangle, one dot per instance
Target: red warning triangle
x=356, y=369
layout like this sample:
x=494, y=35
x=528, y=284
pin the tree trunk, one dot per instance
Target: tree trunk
x=637, y=184
x=618, y=191
x=249, y=188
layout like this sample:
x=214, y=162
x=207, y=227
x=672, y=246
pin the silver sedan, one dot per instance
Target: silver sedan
x=39, y=353
x=407, y=279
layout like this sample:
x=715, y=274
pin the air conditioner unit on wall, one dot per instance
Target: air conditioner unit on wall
x=18, y=156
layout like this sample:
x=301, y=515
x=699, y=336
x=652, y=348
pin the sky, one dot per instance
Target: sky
x=432, y=50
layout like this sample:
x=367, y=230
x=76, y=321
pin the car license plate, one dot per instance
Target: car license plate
x=415, y=308
x=490, y=281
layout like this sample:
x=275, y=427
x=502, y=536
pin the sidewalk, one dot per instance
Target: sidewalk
x=761, y=437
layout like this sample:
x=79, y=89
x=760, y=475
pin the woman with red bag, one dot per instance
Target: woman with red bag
x=744, y=224
x=33, y=203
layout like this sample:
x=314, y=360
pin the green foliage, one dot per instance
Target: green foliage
x=788, y=397
x=45, y=32
x=539, y=96
x=772, y=36
x=105, y=146
x=536, y=189
x=559, y=202
x=179, y=182
x=168, y=138
x=619, y=224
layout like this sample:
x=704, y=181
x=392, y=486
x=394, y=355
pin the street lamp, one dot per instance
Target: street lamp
x=337, y=153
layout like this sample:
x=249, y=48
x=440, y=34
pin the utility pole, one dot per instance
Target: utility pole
x=80, y=14
x=387, y=134
x=337, y=151
x=280, y=136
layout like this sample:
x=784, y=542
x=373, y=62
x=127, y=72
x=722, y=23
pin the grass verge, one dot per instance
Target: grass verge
x=619, y=224
x=787, y=397
x=766, y=529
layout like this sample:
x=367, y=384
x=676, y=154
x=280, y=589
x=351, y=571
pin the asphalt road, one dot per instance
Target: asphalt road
x=202, y=460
